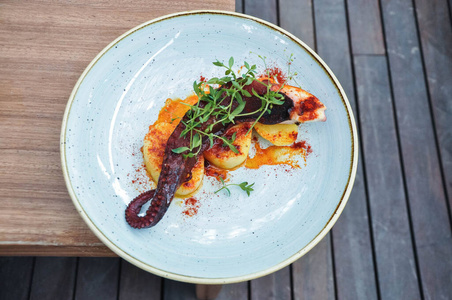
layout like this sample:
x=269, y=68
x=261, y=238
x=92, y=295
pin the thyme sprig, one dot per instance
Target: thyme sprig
x=214, y=105
x=245, y=186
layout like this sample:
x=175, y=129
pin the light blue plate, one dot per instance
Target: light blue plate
x=230, y=239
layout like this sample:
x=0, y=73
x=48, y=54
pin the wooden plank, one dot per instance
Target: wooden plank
x=53, y=278
x=263, y=9
x=41, y=192
x=425, y=191
x=97, y=278
x=236, y=291
x=436, y=40
x=138, y=284
x=296, y=17
x=353, y=254
x=397, y=275
x=276, y=285
x=207, y=292
x=273, y=286
x=175, y=290
x=31, y=249
x=365, y=27
x=239, y=6
x=21, y=133
x=312, y=278
x=15, y=277
x=45, y=47
x=354, y=268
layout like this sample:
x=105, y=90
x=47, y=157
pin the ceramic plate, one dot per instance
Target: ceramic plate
x=230, y=238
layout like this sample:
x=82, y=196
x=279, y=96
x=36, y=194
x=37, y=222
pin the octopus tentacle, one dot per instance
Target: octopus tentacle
x=134, y=208
x=175, y=170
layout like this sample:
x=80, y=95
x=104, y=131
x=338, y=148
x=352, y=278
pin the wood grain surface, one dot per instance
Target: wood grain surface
x=353, y=256
x=44, y=48
x=60, y=271
x=394, y=254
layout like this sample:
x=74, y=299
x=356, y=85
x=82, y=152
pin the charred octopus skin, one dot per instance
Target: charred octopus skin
x=176, y=169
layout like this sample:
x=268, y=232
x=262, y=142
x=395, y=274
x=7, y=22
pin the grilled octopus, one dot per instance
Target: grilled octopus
x=298, y=106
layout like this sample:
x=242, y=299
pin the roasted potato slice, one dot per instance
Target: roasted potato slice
x=222, y=156
x=153, y=152
x=278, y=134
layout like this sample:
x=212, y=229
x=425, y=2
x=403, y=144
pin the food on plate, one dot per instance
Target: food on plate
x=237, y=99
x=307, y=108
x=222, y=156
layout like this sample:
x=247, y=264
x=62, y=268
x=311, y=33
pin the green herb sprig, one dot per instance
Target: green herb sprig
x=248, y=188
x=222, y=111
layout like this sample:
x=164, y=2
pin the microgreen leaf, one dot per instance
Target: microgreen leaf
x=236, y=85
x=213, y=80
x=225, y=79
x=228, y=143
x=248, y=188
x=255, y=93
x=196, y=142
x=246, y=93
x=211, y=140
x=196, y=87
x=180, y=149
x=238, y=109
x=231, y=62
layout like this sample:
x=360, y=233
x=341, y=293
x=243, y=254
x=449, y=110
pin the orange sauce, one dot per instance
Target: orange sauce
x=278, y=155
x=212, y=171
x=174, y=110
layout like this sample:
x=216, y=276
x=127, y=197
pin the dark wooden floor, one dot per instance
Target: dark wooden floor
x=393, y=241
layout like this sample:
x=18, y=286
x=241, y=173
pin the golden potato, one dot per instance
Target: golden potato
x=278, y=134
x=222, y=156
x=154, y=150
x=194, y=183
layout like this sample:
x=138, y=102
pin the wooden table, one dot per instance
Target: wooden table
x=45, y=46
x=393, y=240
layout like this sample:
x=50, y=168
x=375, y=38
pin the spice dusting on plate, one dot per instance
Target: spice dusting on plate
x=191, y=207
x=275, y=73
